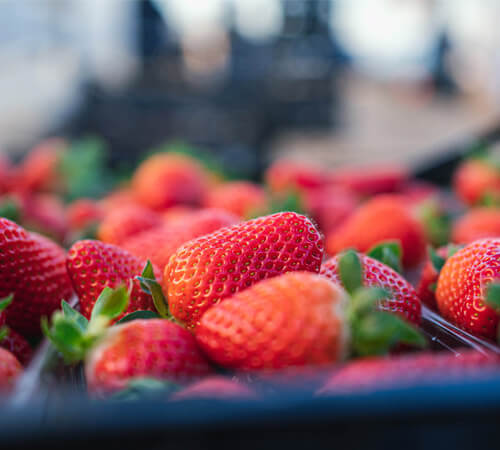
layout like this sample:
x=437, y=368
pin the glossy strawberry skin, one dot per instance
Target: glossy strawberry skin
x=123, y=223
x=427, y=283
x=379, y=373
x=291, y=320
x=33, y=268
x=93, y=265
x=403, y=299
x=10, y=370
x=160, y=243
x=476, y=224
x=215, y=387
x=475, y=178
x=18, y=346
x=386, y=217
x=240, y=197
x=154, y=348
x=83, y=213
x=462, y=285
x=206, y=270
x=166, y=180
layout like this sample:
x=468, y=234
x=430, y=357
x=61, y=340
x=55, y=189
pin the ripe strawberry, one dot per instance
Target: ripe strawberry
x=403, y=298
x=18, y=346
x=293, y=320
x=380, y=373
x=8, y=174
x=240, y=197
x=426, y=286
x=215, y=387
x=165, y=180
x=476, y=178
x=476, y=224
x=463, y=284
x=178, y=214
x=10, y=370
x=382, y=218
x=92, y=265
x=83, y=213
x=160, y=243
x=370, y=180
x=208, y=269
x=123, y=223
x=32, y=269
x=284, y=176
x=118, y=199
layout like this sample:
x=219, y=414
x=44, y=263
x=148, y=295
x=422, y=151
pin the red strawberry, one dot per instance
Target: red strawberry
x=403, y=298
x=370, y=180
x=178, y=214
x=165, y=180
x=10, y=370
x=215, y=387
x=208, y=269
x=155, y=348
x=118, y=199
x=18, y=346
x=476, y=224
x=379, y=373
x=83, y=213
x=33, y=269
x=122, y=223
x=385, y=217
x=427, y=283
x=240, y=197
x=476, y=178
x=463, y=284
x=284, y=176
x=8, y=174
x=92, y=265
x=160, y=243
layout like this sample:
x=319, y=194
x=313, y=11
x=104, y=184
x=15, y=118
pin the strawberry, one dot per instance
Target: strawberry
x=379, y=373
x=177, y=214
x=18, y=346
x=92, y=265
x=370, y=180
x=118, y=199
x=215, y=387
x=158, y=244
x=426, y=286
x=476, y=178
x=381, y=218
x=476, y=224
x=402, y=297
x=463, y=285
x=10, y=370
x=165, y=180
x=8, y=174
x=206, y=270
x=84, y=213
x=284, y=176
x=122, y=223
x=293, y=320
x=239, y=197
x=32, y=269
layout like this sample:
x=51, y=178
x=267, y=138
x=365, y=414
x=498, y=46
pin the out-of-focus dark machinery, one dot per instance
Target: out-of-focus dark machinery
x=285, y=82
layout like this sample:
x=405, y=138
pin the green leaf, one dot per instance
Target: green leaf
x=350, y=271
x=436, y=260
x=111, y=303
x=65, y=336
x=388, y=253
x=6, y=302
x=71, y=313
x=493, y=295
x=139, y=315
x=365, y=300
x=150, y=286
x=10, y=209
x=140, y=388
x=4, y=332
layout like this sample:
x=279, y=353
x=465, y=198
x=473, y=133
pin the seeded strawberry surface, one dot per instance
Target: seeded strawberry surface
x=211, y=268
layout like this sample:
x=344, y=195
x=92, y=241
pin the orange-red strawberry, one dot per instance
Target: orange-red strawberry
x=380, y=373
x=463, y=284
x=284, y=176
x=242, y=198
x=93, y=265
x=165, y=180
x=118, y=199
x=123, y=223
x=18, y=346
x=160, y=243
x=178, y=214
x=83, y=213
x=475, y=179
x=215, y=387
x=154, y=348
x=10, y=370
x=386, y=217
x=33, y=269
x=476, y=224
x=206, y=270
x=402, y=297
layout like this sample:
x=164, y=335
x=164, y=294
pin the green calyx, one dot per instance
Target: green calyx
x=493, y=300
x=73, y=335
x=388, y=253
x=141, y=388
x=436, y=223
x=373, y=332
x=10, y=209
x=150, y=286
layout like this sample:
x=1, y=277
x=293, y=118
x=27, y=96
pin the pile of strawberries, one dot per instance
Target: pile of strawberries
x=180, y=281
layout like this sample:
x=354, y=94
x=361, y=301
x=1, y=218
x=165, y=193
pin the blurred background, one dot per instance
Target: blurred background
x=338, y=81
